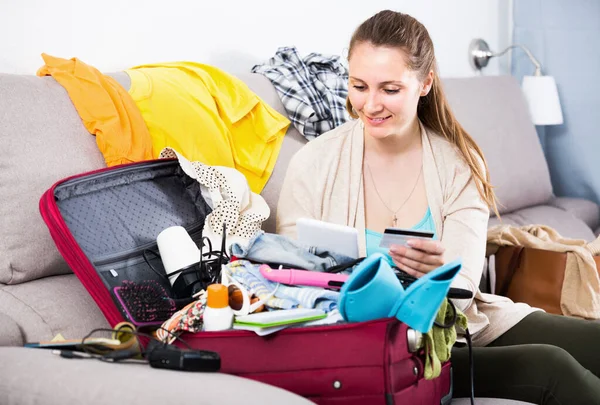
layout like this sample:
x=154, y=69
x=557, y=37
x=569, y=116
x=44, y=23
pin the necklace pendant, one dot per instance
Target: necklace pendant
x=394, y=221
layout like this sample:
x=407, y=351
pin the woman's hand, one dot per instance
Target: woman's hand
x=420, y=258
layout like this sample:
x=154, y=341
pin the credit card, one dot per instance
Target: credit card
x=399, y=236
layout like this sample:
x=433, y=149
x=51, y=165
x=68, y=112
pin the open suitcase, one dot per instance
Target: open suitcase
x=102, y=221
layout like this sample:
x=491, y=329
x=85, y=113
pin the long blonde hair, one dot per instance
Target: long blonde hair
x=393, y=29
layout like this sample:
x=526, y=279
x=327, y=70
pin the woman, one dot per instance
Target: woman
x=405, y=160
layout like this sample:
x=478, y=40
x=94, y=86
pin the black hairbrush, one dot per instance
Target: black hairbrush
x=146, y=302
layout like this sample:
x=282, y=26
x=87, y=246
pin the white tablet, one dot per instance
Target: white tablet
x=325, y=235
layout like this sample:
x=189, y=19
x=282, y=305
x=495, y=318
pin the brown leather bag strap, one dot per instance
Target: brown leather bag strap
x=513, y=264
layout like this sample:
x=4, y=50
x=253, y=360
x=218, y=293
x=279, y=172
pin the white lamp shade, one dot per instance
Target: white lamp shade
x=542, y=97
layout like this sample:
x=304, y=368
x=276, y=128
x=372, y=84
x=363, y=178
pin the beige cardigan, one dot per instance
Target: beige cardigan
x=324, y=181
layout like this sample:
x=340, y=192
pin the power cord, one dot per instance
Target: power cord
x=208, y=271
x=451, y=324
x=158, y=354
x=471, y=368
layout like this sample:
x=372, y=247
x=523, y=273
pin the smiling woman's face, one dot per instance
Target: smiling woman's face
x=383, y=90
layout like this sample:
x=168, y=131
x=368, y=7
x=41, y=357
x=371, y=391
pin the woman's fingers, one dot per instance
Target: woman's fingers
x=415, y=265
x=434, y=247
x=420, y=256
x=408, y=270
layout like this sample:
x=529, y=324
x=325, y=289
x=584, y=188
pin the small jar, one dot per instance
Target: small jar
x=218, y=315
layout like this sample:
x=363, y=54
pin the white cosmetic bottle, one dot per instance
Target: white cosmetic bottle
x=218, y=315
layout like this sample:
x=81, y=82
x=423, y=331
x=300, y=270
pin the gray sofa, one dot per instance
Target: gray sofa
x=45, y=141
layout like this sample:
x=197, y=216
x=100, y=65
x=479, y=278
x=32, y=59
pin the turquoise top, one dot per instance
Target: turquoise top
x=374, y=238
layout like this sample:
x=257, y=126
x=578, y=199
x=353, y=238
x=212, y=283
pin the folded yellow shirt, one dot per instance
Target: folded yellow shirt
x=209, y=116
x=105, y=108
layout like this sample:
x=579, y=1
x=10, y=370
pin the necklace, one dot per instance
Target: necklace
x=394, y=212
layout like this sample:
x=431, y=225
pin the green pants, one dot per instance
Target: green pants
x=544, y=359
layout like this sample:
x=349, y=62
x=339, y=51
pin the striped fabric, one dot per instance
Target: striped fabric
x=285, y=297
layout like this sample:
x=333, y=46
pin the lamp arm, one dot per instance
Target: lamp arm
x=538, y=67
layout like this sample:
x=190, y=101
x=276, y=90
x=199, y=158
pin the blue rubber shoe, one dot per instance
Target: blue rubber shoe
x=420, y=303
x=371, y=290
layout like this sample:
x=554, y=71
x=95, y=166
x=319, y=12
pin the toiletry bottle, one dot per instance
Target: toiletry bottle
x=218, y=315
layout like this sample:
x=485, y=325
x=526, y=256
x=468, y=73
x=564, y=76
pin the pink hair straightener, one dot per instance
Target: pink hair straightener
x=303, y=277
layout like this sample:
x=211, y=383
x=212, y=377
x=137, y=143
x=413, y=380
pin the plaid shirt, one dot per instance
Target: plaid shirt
x=313, y=90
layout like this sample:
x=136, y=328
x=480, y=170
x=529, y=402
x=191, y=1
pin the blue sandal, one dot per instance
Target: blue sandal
x=373, y=291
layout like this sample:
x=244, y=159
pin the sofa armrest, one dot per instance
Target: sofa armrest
x=10, y=333
x=586, y=210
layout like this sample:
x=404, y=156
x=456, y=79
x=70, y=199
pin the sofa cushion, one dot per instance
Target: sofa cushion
x=493, y=111
x=10, y=333
x=587, y=211
x=565, y=223
x=36, y=376
x=48, y=306
x=47, y=142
